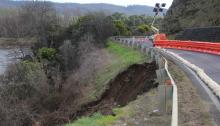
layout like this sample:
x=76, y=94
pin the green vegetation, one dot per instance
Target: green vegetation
x=47, y=53
x=133, y=25
x=98, y=119
x=121, y=28
x=143, y=28
x=127, y=55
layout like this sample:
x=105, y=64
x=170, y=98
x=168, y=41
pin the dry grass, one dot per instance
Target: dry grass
x=139, y=112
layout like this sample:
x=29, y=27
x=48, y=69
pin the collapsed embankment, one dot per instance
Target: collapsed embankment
x=124, y=88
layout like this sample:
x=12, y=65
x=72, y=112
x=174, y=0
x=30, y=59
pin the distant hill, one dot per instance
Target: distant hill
x=80, y=9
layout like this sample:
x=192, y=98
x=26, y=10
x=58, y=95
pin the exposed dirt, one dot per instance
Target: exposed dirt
x=136, y=80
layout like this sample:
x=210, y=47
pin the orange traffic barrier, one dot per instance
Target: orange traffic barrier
x=205, y=47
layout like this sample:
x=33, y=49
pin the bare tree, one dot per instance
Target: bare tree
x=69, y=56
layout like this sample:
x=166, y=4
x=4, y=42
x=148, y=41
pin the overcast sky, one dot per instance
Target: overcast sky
x=120, y=2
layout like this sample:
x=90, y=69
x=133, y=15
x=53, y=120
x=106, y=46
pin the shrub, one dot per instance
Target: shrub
x=23, y=87
x=47, y=53
x=121, y=28
x=24, y=80
x=143, y=28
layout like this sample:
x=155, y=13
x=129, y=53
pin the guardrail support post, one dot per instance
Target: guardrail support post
x=143, y=48
x=133, y=41
x=152, y=55
x=147, y=50
x=165, y=97
x=130, y=43
x=165, y=90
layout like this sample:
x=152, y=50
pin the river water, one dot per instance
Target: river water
x=8, y=56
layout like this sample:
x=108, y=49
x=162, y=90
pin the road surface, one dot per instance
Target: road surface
x=209, y=63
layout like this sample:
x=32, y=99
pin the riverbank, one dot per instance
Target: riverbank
x=16, y=42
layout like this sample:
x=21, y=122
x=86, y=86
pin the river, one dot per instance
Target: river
x=8, y=56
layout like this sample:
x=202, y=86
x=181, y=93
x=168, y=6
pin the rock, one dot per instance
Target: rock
x=27, y=57
x=145, y=119
x=136, y=123
x=155, y=113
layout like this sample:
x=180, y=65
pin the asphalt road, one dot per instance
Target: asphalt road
x=209, y=63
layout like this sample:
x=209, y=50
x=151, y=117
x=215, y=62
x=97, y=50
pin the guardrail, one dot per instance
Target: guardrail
x=205, y=47
x=174, y=120
x=175, y=98
x=154, y=53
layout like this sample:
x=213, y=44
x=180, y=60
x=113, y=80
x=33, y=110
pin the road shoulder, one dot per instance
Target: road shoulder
x=193, y=111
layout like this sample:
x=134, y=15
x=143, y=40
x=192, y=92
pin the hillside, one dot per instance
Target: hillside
x=80, y=9
x=191, y=13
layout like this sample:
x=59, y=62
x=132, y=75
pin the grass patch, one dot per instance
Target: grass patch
x=98, y=119
x=127, y=55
